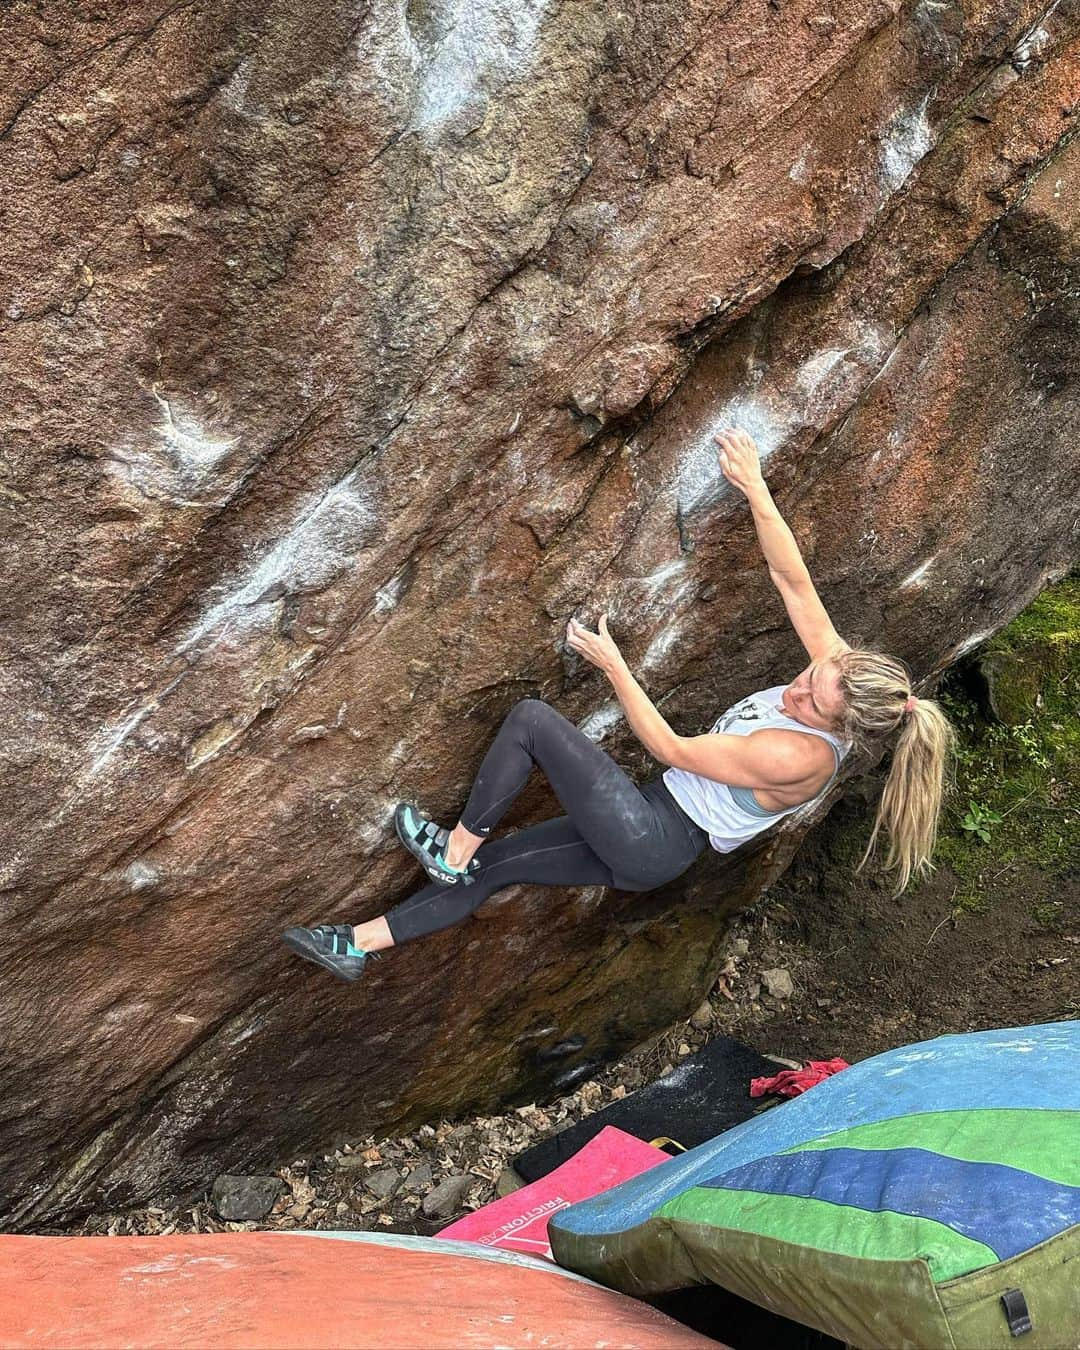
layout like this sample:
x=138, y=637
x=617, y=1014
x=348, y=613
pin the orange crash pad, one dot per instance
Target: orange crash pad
x=262, y=1290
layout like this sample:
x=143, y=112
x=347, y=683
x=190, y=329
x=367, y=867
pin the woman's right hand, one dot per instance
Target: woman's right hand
x=739, y=459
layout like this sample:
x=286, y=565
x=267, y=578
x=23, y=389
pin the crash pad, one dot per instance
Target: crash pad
x=702, y=1096
x=927, y=1196
x=330, y=1291
x=518, y=1222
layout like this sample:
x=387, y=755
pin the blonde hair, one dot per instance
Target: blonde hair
x=878, y=700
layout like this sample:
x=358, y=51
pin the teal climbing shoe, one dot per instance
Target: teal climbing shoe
x=328, y=946
x=426, y=841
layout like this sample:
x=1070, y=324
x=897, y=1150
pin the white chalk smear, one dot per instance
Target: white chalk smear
x=321, y=543
x=480, y=44
x=658, y=580
x=970, y=643
x=109, y=739
x=139, y=875
x=814, y=372
x=378, y=827
x=768, y=415
x=799, y=171
x=905, y=140
x=778, y=404
x=183, y=461
x=659, y=647
x=701, y=480
x=234, y=91
x=918, y=577
x=388, y=596
x=599, y=723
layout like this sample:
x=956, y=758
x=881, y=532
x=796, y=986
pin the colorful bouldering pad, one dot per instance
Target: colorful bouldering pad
x=518, y=1222
x=896, y=1204
x=307, y=1291
x=704, y=1095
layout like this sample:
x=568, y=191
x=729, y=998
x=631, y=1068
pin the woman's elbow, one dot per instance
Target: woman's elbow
x=672, y=752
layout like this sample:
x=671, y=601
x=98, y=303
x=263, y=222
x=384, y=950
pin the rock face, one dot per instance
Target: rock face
x=347, y=352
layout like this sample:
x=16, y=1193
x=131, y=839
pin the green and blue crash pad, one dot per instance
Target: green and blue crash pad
x=929, y=1196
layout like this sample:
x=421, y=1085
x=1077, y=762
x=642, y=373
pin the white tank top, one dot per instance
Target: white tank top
x=732, y=815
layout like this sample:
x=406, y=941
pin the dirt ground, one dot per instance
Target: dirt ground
x=872, y=971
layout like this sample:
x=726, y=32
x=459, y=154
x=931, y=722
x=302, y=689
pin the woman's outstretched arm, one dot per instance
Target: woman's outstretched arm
x=741, y=466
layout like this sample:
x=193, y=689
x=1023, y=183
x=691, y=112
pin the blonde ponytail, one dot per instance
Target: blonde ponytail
x=878, y=701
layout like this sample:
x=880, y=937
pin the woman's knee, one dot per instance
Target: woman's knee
x=530, y=712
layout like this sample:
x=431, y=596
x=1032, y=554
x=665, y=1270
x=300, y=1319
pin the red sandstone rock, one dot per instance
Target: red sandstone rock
x=345, y=356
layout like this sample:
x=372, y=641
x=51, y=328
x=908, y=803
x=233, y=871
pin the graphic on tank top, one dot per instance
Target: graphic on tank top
x=750, y=709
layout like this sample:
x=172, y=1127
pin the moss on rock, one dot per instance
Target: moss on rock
x=1017, y=791
x=1034, y=659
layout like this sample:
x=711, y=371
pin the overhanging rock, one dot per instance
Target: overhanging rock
x=346, y=355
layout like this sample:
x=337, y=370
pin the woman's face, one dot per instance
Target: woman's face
x=814, y=697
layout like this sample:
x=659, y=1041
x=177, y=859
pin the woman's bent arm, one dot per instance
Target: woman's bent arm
x=644, y=717
x=646, y=720
x=765, y=759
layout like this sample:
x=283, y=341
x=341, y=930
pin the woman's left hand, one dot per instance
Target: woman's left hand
x=599, y=648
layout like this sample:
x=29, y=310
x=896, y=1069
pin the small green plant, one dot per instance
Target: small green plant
x=1027, y=739
x=979, y=820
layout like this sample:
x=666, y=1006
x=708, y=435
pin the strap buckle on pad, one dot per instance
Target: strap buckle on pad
x=1016, y=1311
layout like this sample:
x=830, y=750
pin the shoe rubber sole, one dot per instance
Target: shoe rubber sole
x=299, y=941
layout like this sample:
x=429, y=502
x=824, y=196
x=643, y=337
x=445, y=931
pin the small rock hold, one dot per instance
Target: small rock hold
x=447, y=1197
x=419, y=1179
x=740, y=947
x=778, y=983
x=702, y=1019
x=508, y=1181
x=238, y=1199
x=384, y=1183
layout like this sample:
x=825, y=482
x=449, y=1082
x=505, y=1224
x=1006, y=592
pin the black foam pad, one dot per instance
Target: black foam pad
x=704, y=1095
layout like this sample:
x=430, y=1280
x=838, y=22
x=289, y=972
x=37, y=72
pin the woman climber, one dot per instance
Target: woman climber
x=770, y=753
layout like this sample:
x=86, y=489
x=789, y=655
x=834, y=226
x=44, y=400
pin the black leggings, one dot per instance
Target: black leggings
x=614, y=833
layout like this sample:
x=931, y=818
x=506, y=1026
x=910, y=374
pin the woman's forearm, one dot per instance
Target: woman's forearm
x=774, y=535
x=645, y=720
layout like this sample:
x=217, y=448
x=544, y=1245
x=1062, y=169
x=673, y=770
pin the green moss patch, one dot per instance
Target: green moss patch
x=1017, y=787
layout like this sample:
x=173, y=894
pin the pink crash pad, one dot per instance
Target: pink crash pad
x=261, y=1291
x=518, y=1222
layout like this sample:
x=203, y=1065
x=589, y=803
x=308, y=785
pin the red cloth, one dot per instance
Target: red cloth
x=792, y=1082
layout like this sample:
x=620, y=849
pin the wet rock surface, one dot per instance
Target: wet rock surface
x=420, y=1182
x=345, y=356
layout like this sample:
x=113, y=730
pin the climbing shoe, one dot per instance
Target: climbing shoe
x=426, y=841
x=329, y=946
